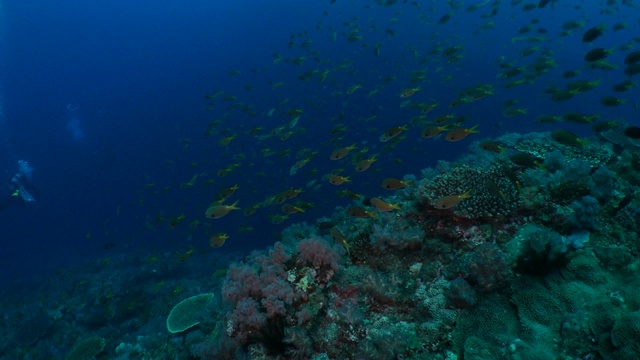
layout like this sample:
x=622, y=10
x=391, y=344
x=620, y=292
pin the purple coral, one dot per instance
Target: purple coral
x=271, y=292
x=247, y=319
x=317, y=253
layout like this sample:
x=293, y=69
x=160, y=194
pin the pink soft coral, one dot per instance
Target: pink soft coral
x=317, y=253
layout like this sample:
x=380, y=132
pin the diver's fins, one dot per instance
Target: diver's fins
x=26, y=196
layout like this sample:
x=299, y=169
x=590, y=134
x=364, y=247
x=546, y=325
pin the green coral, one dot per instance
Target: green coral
x=476, y=349
x=601, y=317
x=86, y=349
x=613, y=256
x=187, y=313
x=539, y=309
x=492, y=320
x=585, y=267
x=626, y=330
x=568, y=192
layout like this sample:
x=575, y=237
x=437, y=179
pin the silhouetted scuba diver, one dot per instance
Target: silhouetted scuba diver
x=21, y=191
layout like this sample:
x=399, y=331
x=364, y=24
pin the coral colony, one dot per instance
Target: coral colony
x=522, y=269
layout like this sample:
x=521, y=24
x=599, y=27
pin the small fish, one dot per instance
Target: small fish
x=277, y=219
x=623, y=86
x=612, y=101
x=226, y=141
x=548, y=119
x=596, y=54
x=337, y=179
x=494, y=189
x=396, y=184
x=226, y=192
x=349, y=194
x=444, y=118
x=365, y=164
x=291, y=209
x=353, y=89
x=492, y=146
x=447, y=202
x=392, y=133
x=458, y=134
x=579, y=118
x=568, y=138
x=219, y=210
x=218, y=240
x=525, y=160
x=361, y=213
x=382, y=205
x=299, y=164
x=409, y=92
x=427, y=108
x=593, y=33
x=248, y=211
x=339, y=237
x=513, y=111
x=185, y=256
x=603, y=126
x=570, y=74
x=287, y=195
x=376, y=50
x=175, y=221
x=323, y=75
x=632, y=58
x=433, y=131
x=340, y=153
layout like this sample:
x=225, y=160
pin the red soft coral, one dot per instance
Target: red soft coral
x=242, y=281
x=317, y=253
x=246, y=319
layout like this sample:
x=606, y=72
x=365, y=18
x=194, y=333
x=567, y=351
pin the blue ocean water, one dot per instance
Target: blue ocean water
x=135, y=76
x=119, y=107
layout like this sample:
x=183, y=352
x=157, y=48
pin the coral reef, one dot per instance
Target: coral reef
x=539, y=262
x=492, y=193
x=187, y=313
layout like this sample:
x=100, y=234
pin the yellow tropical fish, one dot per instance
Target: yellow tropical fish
x=392, y=133
x=395, y=184
x=450, y=201
x=218, y=240
x=217, y=211
x=383, y=205
x=359, y=212
x=409, y=92
x=337, y=179
x=340, y=153
x=365, y=164
x=338, y=237
x=458, y=134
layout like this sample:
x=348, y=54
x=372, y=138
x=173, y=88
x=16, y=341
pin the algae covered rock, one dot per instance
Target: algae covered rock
x=626, y=330
x=86, y=349
x=187, y=313
x=613, y=256
x=538, y=250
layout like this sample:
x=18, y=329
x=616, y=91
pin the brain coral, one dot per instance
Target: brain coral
x=492, y=193
x=584, y=266
x=187, y=313
x=539, y=145
x=535, y=303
